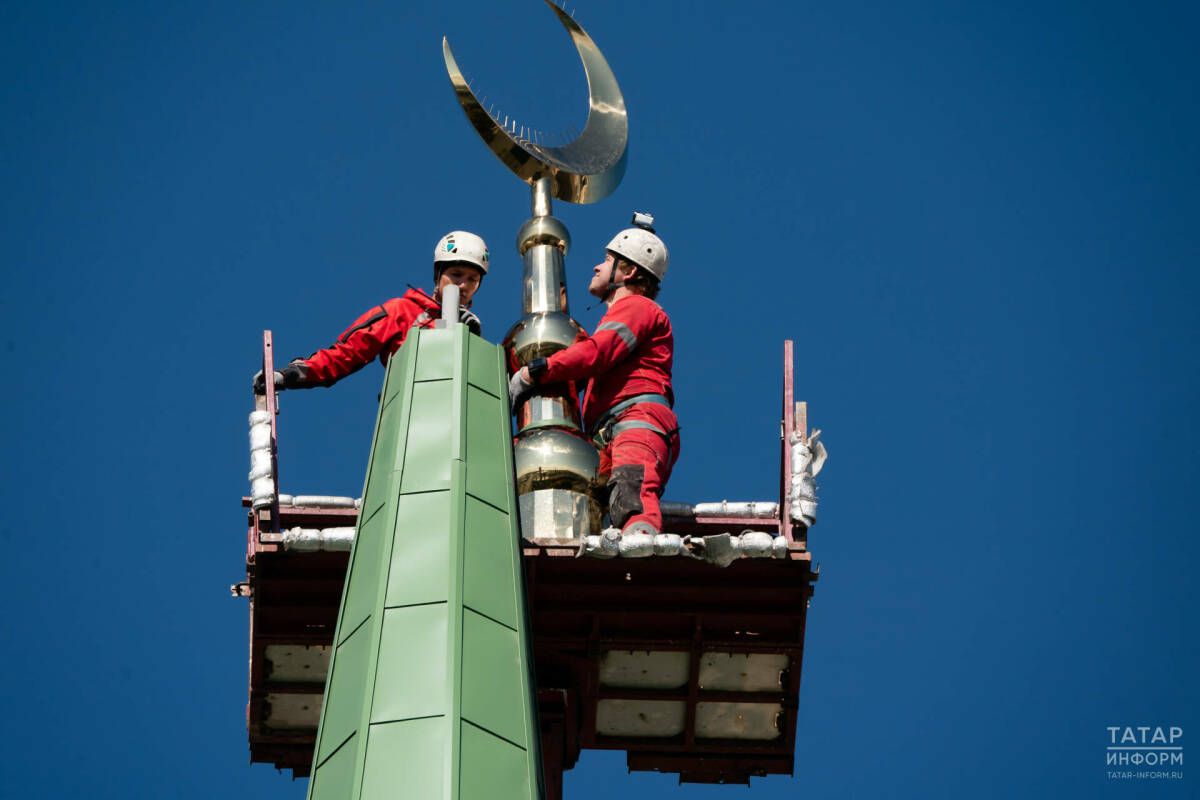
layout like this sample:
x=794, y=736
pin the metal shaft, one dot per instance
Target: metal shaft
x=450, y=304
x=556, y=464
x=542, y=242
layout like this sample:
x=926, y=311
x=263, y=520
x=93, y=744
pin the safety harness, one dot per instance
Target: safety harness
x=610, y=424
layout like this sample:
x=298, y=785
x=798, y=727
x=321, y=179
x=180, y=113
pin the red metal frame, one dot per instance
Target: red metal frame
x=579, y=609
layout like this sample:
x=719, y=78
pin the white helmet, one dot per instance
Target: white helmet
x=460, y=247
x=642, y=248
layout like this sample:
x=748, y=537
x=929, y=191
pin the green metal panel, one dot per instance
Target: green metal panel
x=426, y=468
x=412, y=658
x=422, y=770
x=488, y=570
x=491, y=654
x=436, y=360
x=498, y=770
x=430, y=691
x=335, y=772
x=398, y=378
x=479, y=368
x=417, y=574
x=362, y=576
x=343, y=694
x=486, y=454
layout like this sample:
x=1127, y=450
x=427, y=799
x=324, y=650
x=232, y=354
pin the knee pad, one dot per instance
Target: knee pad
x=641, y=526
x=625, y=493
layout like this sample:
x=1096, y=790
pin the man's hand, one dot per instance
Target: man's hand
x=519, y=387
x=260, y=385
x=296, y=375
x=468, y=318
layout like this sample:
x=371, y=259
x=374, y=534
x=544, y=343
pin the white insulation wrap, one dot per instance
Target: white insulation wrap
x=637, y=545
x=262, y=491
x=313, y=540
x=721, y=549
x=779, y=547
x=756, y=544
x=260, y=464
x=591, y=547
x=610, y=541
x=669, y=544
x=752, y=509
x=807, y=460
x=319, y=501
x=260, y=436
x=323, y=501
x=262, y=481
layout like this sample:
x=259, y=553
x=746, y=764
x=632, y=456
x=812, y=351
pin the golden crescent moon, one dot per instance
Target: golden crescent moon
x=584, y=170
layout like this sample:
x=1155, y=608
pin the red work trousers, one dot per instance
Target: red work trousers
x=637, y=464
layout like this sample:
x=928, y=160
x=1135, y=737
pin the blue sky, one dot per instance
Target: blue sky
x=978, y=221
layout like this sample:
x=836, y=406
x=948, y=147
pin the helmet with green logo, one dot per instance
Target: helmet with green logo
x=460, y=247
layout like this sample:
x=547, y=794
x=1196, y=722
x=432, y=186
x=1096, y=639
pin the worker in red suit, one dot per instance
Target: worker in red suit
x=460, y=258
x=627, y=361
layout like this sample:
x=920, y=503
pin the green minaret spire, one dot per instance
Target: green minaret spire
x=430, y=691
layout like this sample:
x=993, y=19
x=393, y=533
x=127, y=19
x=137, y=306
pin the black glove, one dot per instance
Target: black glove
x=296, y=375
x=260, y=384
x=468, y=318
x=518, y=390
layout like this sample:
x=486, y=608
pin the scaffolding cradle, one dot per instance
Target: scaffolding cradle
x=689, y=668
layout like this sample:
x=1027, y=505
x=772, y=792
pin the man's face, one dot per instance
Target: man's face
x=601, y=274
x=466, y=278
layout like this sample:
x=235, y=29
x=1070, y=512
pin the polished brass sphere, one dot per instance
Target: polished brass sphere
x=543, y=230
x=560, y=468
x=551, y=458
x=539, y=336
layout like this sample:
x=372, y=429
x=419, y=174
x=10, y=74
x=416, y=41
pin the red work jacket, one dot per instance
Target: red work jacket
x=630, y=353
x=379, y=332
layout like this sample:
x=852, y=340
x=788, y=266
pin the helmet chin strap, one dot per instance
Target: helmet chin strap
x=608, y=290
x=611, y=287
